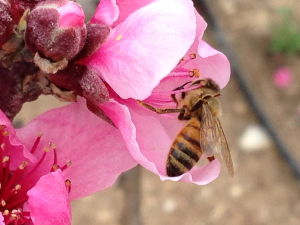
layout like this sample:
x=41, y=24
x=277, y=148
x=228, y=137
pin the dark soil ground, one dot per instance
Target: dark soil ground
x=263, y=190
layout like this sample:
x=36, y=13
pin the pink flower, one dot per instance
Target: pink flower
x=147, y=135
x=146, y=41
x=282, y=77
x=35, y=183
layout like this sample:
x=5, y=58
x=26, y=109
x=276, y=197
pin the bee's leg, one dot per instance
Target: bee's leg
x=182, y=116
x=160, y=111
x=197, y=105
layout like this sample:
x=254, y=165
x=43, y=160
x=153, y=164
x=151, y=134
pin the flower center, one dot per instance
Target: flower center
x=14, y=185
x=180, y=74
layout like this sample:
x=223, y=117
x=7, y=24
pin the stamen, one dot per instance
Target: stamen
x=37, y=141
x=5, y=213
x=13, y=179
x=68, y=185
x=17, y=202
x=1, y=163
x=5, y=174
x=37, y=165
x=184, y=61
x=55, y=153
x=68, y=164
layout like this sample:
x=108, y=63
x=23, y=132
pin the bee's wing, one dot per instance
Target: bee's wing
x=223, y=149
x=212, y=138
x=208, y=132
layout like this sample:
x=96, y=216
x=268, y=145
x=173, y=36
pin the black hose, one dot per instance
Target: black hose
x=246, y=90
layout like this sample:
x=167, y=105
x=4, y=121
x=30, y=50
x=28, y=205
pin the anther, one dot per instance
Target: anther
x=68, y=185
x=2, y=146
x=52, y=145
x=3, y=203
x=2, y=127
x=17, y=187
x=5, y=159
x=5, y=133
x=23, y=165
x=5, y=213
x=55, y=167
x=46, y=149
x=194, y=73
x=193, y=56
x=181, y=60
x=69, y=163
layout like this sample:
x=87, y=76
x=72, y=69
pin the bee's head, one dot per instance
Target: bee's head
x=207, y=83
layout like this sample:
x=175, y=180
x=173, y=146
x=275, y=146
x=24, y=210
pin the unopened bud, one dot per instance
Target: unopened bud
x=6, y=22
x=19, y=7
x=56, y=29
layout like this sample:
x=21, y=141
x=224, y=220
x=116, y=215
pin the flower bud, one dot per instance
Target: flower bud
x=6, y=22
x=56, y=29
x=19, y=7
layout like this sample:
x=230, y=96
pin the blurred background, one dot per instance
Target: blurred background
x=262, y=39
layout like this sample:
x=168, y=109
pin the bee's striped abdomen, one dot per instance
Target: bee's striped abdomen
x=185, y=150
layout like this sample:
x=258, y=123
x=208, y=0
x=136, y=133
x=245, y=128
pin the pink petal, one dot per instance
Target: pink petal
x=214, y=64
x=106, y=13
x=148, y=137
x=145, y=48
x=95, y=148
x=71, y=15
x=127, y=7
x=1, y=219
x=18, y=152
x=210, y=62
x=49, y=202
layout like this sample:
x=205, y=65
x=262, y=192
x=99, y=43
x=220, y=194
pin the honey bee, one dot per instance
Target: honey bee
x=202, y=134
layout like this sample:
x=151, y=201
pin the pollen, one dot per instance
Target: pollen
x=52, y=145
x=194, y=73
x=193, y=56
x=119, y=37
x=5, y=159
x=46, y=149
x=3, y=203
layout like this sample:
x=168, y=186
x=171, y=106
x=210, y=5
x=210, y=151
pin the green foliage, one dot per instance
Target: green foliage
x=286, y=35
